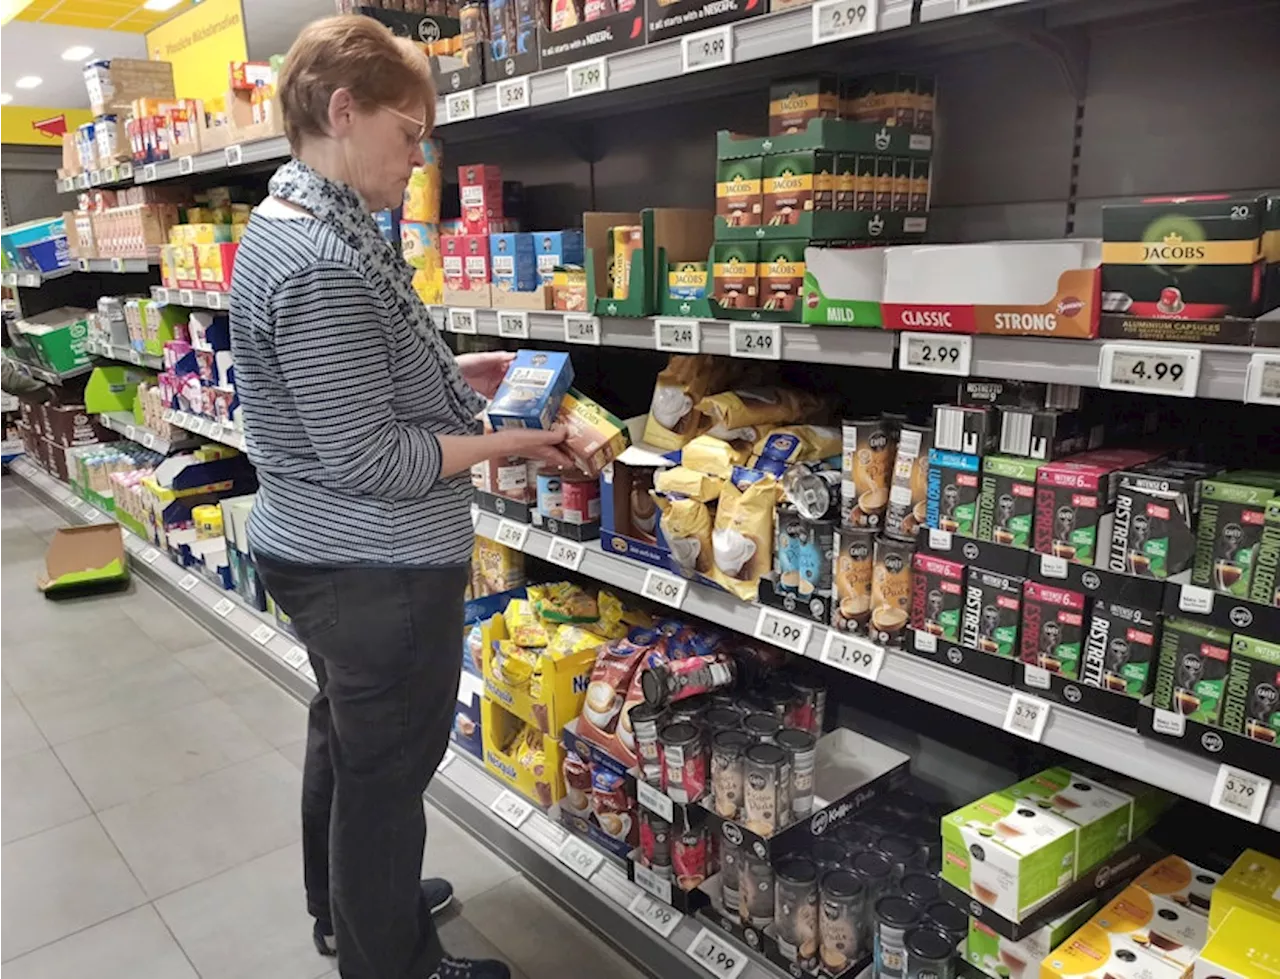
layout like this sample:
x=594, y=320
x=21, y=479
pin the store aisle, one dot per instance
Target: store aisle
x=150, y=804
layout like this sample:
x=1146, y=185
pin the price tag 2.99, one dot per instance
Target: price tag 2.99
x=1026, y=716
x=758, y=341
x=935, y=353
x=716, y=955
x=1150, y=369
x=834, y=20
x=582, y=329
x=1240, y=793
x=566, y=553
x=706, y=49
x=462, y=321
x=661, y=917
x=511, y=809
x=513, y=324
x=853, y=655
x=588, y=77
x=783, y=630
x=677, y=336
x=580, y=857
x=512, y=534
x=459, y=106
x=513, y=93
x=664, y=588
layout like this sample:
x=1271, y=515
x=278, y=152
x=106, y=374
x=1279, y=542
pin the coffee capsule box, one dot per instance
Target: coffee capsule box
x=1120, y=648
x=739, y=192
x=1264, y=583
x=1152, y=532
x=992, y=612
x=1006, y=508
x=1251, y=705
x=1157, y=923
x=1182, y=883
x=735, y=273
x=937, y=587
x=1103, y=814
x=1250, y=884
x=954, y=486
x=1023, y=394
x=1232, y=517
x=1191, y=676
x=1052, y=628
x=1093, y=952
x=1234, y=951
x=1046, y=434
x=1001, y=957
x=795, y=101
x=797, y=183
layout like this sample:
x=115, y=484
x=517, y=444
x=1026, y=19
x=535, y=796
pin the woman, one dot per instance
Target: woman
x=361, y=424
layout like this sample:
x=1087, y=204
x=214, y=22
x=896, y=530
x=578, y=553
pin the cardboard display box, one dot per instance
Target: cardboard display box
x=82, y=557
x=559, y=695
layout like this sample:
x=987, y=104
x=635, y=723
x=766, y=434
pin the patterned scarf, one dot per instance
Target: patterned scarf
x=340, y=207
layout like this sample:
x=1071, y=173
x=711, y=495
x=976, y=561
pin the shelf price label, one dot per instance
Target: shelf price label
x=460, y=106
x=125, y=171
x=513, y=324
x=511, y=808
x=852, y=654
x=706, y=49
x=834, y=20
x=935, y=353
x=1240, y=793
x=263, y=634
x=135, y=357
x=588, y=77
x=148, y=173
x=224, y=607
x=1195, y=600
x=235, y=155
x=582, y=329
x=1026, y=716
x=1036, y=676
x=117, y=265
x=82, y=264
x=185, y=166
x=783, y=630
x=1169, y=722
x=1150, y=369
x=149, y=555
x=186, y=298
x=131, y=433
x=666, y=589
x=462, y=321
x=187, y=582
x=757, y=341
x=658, y=915
x=580, y=857
x=655, y=800
x=677, y=336
x=296, y=657
x=1262, y=380
x=512, y=534
x=566, y=553
x=716, y=955
x=217, y=300
x=513, y=93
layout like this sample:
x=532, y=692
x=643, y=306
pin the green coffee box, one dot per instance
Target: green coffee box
x=1003, y=958
x=1008, y=852
x=1103, y=814
x=1232, y=517
x=1251, y=705
x=1006, y=506
x=1264, y=583
x=953, y=491
x=1193, y=669
x=1149, y=802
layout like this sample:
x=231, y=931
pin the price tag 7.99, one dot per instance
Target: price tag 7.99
x=861, y=657
x=582, y=329
x=783, y=630
x=661, y=917
x=935, y=353
x=758, y=341
x=462, y=321
x=714, y=953
x=460, y=106
x=588, y=77
x=1150, y=369
x=566, y=553
x=512, y=534
x=1240, y=793
x=513, y=93
x=664, y=588
x=677, y=336
x=1026, y=716
x=834, y=20
x=513, y=324
x=706, y=49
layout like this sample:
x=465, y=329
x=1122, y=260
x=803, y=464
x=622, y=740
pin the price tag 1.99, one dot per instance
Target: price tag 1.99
x=1150, y=369
x=462, y=321
x=706, y=49
x=511, y=809
x=853, y=655
x=513, y=93
x=1026, y=716
x=566, y=553
x=659, y=916
x=588, y=77
x=714, y=953
x=664, y=588
x=655, y=800
x=1262, y=380
x=1240, y=793
x=758, y=341
x=677, y=336
x=783, y=630
x=834, y=20
x=580, y=857
x=460, y=106
x=935, y=353
x=512, y=534
x=513, y=324
x=582, y=329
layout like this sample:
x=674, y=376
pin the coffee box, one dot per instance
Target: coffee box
x=532, y=390
x=960, y=428
x=864, y=182
x=781, y=273
x=954, y=486
x=992, y=612
x=1052, y=628
x=1006, y=507
x=846, y=181
x=1235, y=950
x=873, y=98
x=1264, y=583
x=921, y=175
x=687, y=280
x=900, y=199
x=797, y=183
x=1120, y=648
x=1094, y=952
x=1103, y=814
x=1018, y=394
x=866, y=464
x=1251, y=705
x=1191, y=675
x=795, y=101
x=453, y=261
x=937, y=595
x=513, y=265
x=739, y=191
x=926, y=92
x=554, y=249
x=1184, y=259
x=1155, y=512
x=1250, y=884
x=1271, y=253
x=883, y=198
x=1046, y=434
x=904, y=99
x=1181, y=883
x=734, y=273
x=475, y=259
x=1232, y=516
x=1001, y=957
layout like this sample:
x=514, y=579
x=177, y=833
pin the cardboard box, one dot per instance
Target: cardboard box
x=553, y=697
x=1180, y=882
x=512, y=265
x=1120, y=647
x=1001, y=958
x=1006, y=508
x=937, y=596
x=58, y=337
x=553, y=249
x=480, y=191
x=1251, y=884
x=739, y=191
x=544, y=785
x=1156, y=923
x=794, y=101
x=595, y=435
x=1264, y=582
x=1046, y=433
x=530, y=394
x=954, y=486
x=1152, y=532
x=1095, y=953
x=971, y=429
x=797, y=183
x=992, y=612
x=80, y=557
x=735, y=274
x=1251, y=706
x=1104, y=815
x=1191, y=677
x=1053, y=622
x=1235, y=951
x=1232, y=516
x=113, y=84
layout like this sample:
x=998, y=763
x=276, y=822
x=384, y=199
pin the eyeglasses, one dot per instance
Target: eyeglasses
x=421, y=124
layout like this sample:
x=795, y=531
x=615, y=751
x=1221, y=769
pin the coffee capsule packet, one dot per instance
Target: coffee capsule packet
x=673, y=416
x=712, y=456
x=683, y=481
x=686, y=526
x=742, y=540
x=522, y=623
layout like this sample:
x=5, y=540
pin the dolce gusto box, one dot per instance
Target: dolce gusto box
x=1104, y=815
x=530, y=394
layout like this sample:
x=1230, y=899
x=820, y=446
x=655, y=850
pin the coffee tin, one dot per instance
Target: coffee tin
x=722, y=719
x=766, y=796
x=905, y=855
x=646, y=720
x=689, y=857
x=795, y=908
x=809, y=712
x=684, y=678
x=580, y=495
x=829, y=854
x=857, y=836
x=947, y=918
x=762, y=728
x=727, y=751
x=684, y=762
x=815, y=493
x=920, y=889
x=755, y=890
x=655, y=843
x=855, y=562
x=689, y=711
x=802, y=749
x=840, y=938
x=931, y=954
x=802, y=554
x=876, y=872
x=894, y=916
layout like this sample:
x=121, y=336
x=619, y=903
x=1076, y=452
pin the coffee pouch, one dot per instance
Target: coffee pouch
x=742, y=540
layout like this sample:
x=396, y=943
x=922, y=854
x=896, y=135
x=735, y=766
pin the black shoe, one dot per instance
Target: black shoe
x=436, y=892
x=454, y=968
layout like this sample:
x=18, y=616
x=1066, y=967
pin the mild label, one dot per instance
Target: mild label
x=588, y=77
x=664, y=588
x=1026, y=716
x=853, y=655
x=459, y=106
x=837, y=19
x=706, y=49
x=935, y=353
x=1149, y=368
x=677, y=336
x=783, y=630
x=1240, y=793
x=756, y=341
x=513, y=93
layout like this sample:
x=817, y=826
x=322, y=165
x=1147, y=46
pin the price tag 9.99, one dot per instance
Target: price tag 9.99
x=677, y=336
x=1026, y=716
x=834, y=20
x=580, y=857
x=659, y=916
x=462, y=321
x=1150, y=369
x=664, y=588
x=513, y=93
x=714, y=953
x=783, y=630
x=935, y=353
x=512, y=534
x=582, y=329
x=460, y=106
x=566, y=553
x=513, y=324
x=861, y=657
x=588, y=77
x=1240, y=793
x=706, y=49
x=758, y=341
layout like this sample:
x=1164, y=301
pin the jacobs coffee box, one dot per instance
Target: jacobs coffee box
x=1006, y=507
x=1193, y=668
x=937, y=587
x=734, y=273
x=1232, y=517
x=992, y=612
x=954, y=487
x=1152, y=531
x=739, y=193
x=781, y=273
x=1052, y=628
x=794, y=101
x=1251, y=705
x=1120, y=648
x=797, y=183
x=1264, y=583
x=1184, y=258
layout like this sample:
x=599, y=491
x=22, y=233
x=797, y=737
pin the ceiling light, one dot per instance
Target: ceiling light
x=5, y=98
x=161, y=4
x=77, y=53
x=29, y=81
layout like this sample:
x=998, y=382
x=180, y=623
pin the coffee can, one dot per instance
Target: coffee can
x=645, y=723
x=894, y=917
x=857, y=836
x=780, y=698
x=551, y=493
x=949, y=919
x=876, y=872
x=681, y=679
x=731, y=858
x=766, y=800
x=684, y=762
x=931, y=954
x=580, y=496
x=802, y=749
x=840, y=938
x=855, y=565
x=721, y=719
x=689, y=711
x=803, y=552
x=829, y=854
x=727, y=751
x=795, y=908
x=762, y=728
x=920, y=889
x=815, y=493
x=904, y=854
x=689, y=856
x=810, y=708
x=755, y=890
x=655, y=843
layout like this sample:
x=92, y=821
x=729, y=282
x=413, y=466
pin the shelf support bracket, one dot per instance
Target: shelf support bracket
x=1067, y=46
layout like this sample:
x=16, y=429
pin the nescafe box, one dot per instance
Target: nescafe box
x=1120, y=647
x=1152, y=530
x=734, y=273
x=1006, y=508
x=1052, y=628
x=1252, y=703
x=954, y=486
x=992, y=612
x=1192, y=672
x=1184, y=258
x=794, y=101
x=739, y=191
x=781, y=272
x=937, y=595
x=797, y=183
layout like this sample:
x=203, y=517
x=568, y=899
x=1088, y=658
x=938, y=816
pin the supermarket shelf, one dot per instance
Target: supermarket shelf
x=1070, y=731
x=259, y=151
x=46, y=375
x=126, y=354
x=193, y=298
x=119, y=175
x=33, y=280
x=464, y=789
x=123, y=422
x=116, y=265
x=207, y=427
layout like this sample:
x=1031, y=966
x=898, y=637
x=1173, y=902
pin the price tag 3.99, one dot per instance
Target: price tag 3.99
x=1026, y=716
x=1240, y=793
x=513, y=93
x=512, y=534
x=462, y=321
x=580, y=857
x=837, y=19
x=860, y=657
x=935, y=353
x=664, y=588
x=783, y=630
x=706, y=49
x=582, y=329
x=1150, y=369
x=511, y=809
x=714, y=953
x=566, y=553
x=513, y=324
x=659, y=916
x=460, y=106
x=758, y=341
x=588, y=77
x=677, y=336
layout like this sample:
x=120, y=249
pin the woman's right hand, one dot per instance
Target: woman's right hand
x=544, y=446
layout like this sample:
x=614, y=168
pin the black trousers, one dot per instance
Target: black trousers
x=386, y=646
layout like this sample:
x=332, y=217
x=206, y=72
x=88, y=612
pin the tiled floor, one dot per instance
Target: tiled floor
x=150, y=804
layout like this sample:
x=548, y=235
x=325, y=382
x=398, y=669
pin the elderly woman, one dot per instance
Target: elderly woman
x=362, y=426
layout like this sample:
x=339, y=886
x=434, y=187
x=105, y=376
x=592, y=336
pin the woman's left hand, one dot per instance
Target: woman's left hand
x=484, y=372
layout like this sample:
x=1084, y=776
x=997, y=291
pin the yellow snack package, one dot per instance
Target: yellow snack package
x=713, y=456
x=564, y=602
x=683, y=481
x=512, y=663
x=571, y=639
x=737, y=415
x=686, y=526
x=522, y=624
x=673, y=417
x=742, y=541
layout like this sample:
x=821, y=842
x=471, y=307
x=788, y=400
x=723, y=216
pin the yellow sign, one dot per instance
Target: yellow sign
x=200, y=44
x=38, y=126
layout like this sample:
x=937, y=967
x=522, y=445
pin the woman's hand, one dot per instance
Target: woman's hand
x=484, y=372
x=533, y=443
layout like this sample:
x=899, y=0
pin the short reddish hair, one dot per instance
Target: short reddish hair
x=359, y=54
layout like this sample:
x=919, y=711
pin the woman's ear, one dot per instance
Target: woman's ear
x=342, y=108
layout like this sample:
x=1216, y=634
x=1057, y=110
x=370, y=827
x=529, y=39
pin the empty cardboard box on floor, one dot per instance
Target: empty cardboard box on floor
x=81, y=556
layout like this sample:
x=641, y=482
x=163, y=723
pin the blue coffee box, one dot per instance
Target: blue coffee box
x=511, y=263
x=556, y=248
x=530, y=394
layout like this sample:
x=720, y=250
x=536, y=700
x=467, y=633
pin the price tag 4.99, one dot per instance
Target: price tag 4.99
x=757, y=341
x=1240, y=793
x=1026, y=716
x=661, y=917
x=860, y=657
x=588, y=77
x=1150, y=368
x=716, y=955
x=513, y=93
x=512, y=534
x=677, y=336
x=834, y=20
x=783, y=630
x=664, y=588
x=566, y=553
x=935, y=353
x=582, y=329
x=513, y=324
x=706, y=49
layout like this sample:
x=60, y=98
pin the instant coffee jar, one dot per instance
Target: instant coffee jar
x=876, y=873
x=904, y=854
x=766, y=780
x=894, y=916
x=947, y=918
x=721, y=719
x=795, y=908
x=930, y=954
x=646, y=720
x=780, y=699
x=684, y=762
x=841, y=909
x=802, y=750
x=829, y=854
x=727, y=751
x=762, y=727
x=683, y=679
x=731, y=858
x=755, y=890
x=920, y=889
